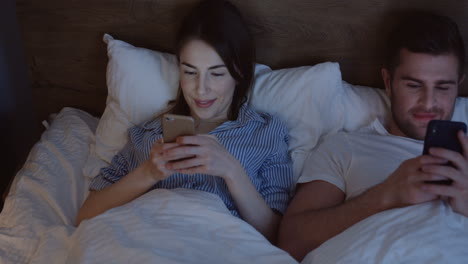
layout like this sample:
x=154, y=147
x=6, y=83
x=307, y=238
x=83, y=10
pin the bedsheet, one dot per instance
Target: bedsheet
x=49, y=188
x=162, y=226
x=424, y=233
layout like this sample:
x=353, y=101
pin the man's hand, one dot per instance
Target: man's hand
x=457, y=192
x=404, y=186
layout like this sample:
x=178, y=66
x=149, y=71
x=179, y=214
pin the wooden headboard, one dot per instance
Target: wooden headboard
x=67, y=58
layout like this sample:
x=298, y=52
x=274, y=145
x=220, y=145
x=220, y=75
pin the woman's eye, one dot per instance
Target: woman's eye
x=217, y=74
x=189, y=72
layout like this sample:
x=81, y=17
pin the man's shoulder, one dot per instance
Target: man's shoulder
x=344, y=140
x=349, y=135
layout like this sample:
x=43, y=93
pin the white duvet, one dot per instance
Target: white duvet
x=425, y=233
x=162, y=226
x=186, y=226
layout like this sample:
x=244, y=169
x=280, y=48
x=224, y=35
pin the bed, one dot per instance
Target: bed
x=99, y=67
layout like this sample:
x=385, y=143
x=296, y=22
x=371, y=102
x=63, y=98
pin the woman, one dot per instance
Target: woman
x=238, y=154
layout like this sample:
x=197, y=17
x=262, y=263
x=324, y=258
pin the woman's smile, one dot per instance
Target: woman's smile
x=204, y=103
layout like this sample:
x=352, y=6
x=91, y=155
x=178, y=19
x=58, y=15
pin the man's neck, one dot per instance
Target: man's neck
x=393, y=128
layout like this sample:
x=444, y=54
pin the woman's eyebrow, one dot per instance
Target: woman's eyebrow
x=216, y=66
x=210, y=68
x=188, y=65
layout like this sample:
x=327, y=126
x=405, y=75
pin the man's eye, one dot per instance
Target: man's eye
x=443, y=88
x=411, y=85
x=189, y=72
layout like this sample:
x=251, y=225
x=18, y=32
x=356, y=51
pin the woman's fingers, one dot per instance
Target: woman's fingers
x=184, y=163
x=202, y=139
x=181, y=152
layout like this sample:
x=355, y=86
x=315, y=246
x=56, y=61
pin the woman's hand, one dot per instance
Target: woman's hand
x=202, y=154
x=155, y=165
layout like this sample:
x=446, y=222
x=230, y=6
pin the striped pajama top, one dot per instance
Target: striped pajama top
x=258, y=140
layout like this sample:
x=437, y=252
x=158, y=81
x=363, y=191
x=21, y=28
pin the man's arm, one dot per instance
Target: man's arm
x=319, y=210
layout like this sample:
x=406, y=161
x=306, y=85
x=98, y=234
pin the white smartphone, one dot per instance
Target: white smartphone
x=177, y=125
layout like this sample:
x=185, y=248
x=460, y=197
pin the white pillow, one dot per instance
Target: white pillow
x=305, y=99
x=361, y=105
x=141, y=82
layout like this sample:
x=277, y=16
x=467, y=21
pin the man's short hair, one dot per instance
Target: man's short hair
x=425, y=33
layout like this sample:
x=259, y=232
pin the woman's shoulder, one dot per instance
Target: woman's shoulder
x=151, y=126
x=268, y=121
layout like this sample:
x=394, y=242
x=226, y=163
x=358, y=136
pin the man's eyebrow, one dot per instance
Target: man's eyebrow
x=408, y=78
x=446, y=82
x=210, y=68
x=439, y=82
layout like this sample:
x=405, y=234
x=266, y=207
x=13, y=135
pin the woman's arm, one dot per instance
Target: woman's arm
x=252, y=207
x=130, y=186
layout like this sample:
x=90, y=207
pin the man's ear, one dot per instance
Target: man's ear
x=387, y=79
x=462, y=78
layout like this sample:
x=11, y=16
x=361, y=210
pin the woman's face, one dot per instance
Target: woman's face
x=206, y=83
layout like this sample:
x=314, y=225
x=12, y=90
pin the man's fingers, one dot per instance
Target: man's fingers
x=456, y=158
x=439, y=189
x=429, y=159
x=463, y=142
x=432, y=177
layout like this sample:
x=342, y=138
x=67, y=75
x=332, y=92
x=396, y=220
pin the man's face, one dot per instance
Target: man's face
x=423, y=87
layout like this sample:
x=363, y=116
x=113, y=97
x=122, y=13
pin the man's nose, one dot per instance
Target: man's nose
x=428, y=98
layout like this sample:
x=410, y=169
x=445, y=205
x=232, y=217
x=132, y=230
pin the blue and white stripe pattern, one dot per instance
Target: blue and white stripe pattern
x=258, y=140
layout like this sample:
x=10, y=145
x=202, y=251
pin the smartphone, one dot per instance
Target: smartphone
x=177, y=125
x=443, y=134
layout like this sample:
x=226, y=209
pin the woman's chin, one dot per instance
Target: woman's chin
x=202, y=116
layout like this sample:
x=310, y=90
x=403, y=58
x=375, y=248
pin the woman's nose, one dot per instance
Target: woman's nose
x=202, y=86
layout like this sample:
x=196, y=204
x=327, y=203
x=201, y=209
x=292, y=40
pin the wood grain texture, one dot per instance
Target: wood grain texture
x=67, y=58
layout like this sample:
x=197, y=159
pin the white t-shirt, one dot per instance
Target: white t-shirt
x=356, y=161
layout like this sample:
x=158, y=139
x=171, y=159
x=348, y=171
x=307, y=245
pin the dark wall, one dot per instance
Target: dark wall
x=18, y=132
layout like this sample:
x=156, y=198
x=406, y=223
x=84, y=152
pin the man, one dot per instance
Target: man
x=352, y=176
